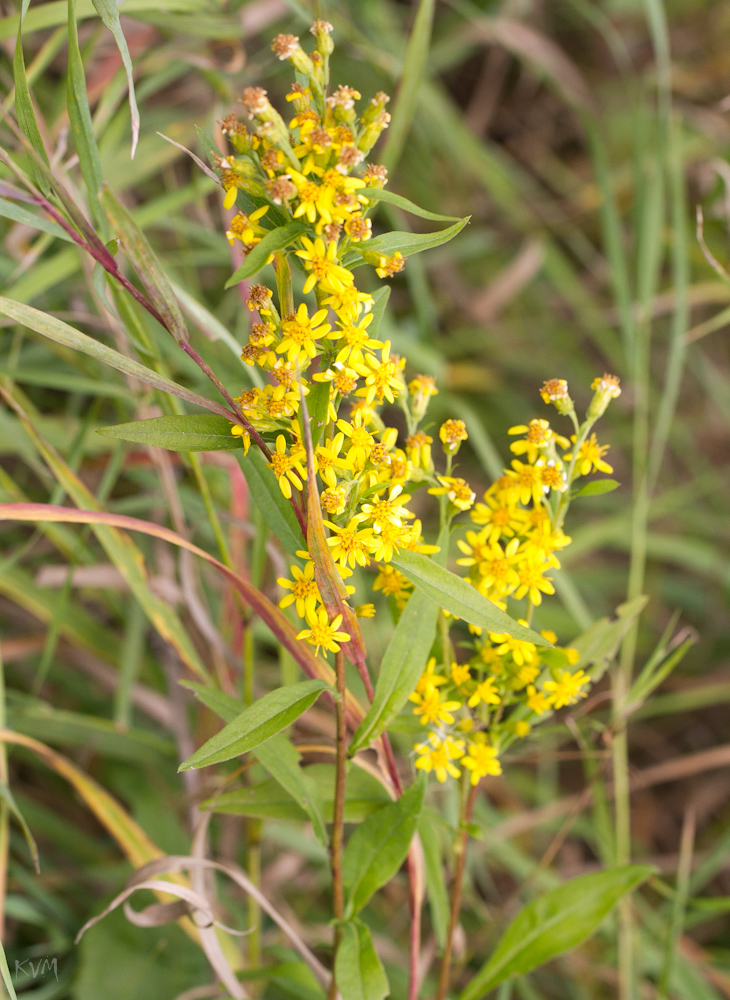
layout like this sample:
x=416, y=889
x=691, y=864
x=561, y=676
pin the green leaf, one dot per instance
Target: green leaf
x=438, y=897
x=596, y=488
x=277, y=755
x=5, y=971
x=148, y=268
x=277, y=239
x=281, y=760
x=9, y=210
x=188, y=432
x=455, y=595
x=318, y=408
x=377, y=311
x=79, y=115
x=7, y=797
x=598, y=645
x=274, y=506
x=269, y=800
x=62, y=333
x=381, y=194
x=257, y=723
x=400, y=667
x=224, y=705
x=411, y=83
x=555, y=923
x=108, y=12
x=358, y=970
x=379, y=846
x=410, y=243
x=24, y=110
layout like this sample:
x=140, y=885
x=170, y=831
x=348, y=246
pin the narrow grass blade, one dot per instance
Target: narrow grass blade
x=80, y=117
x=145, y=262
x=414, y=69
x=7, y=979
x=62, y=333
x=108, y=12
x=24, y=109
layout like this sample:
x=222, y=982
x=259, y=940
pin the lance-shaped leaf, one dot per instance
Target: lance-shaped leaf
x=7, y=797
x=379, y=846
x=411, y=82
x=108, y=12
x=24, y=109
x=271, y=502
x=79, y=116
x=6, y=977
x=358, y=970
x=404, y=659
x=277, y=755
x=62, y=333
x=555, y=923
x=277, y=239
x=269, y=800
x=400, y=667
x=188, y=432
x=455, y=595
x=596, y=488
x=391, y=198
x=257, y=723
x=407, y=243
x=269, y=614
x=145, y=263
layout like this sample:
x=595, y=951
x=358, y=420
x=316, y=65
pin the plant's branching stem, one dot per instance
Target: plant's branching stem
x=466, y=811
x=338, y=826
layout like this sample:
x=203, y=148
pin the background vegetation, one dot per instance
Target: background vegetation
x=580, y=137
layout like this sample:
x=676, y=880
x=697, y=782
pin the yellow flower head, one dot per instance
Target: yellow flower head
x=287, y=469
x=458, y=491
x=323, y=268
x=438, y=754
x=484, y=694
x=481, y=760
x=567, y=688
x=303, y=591
x=300, y=334
x=590, y=457
x=452, y=433
x=351, y=544
x=322, y=632
x=432, y=710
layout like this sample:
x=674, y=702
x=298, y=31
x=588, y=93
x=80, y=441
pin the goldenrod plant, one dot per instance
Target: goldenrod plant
x=403, y=606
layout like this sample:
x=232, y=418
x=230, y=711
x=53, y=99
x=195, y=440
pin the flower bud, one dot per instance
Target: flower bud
x=605, y=388
x=322, y=31
x=421, y=388
x=452, y=433
x=555, y=391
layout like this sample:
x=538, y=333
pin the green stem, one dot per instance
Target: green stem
x=467, y=807
x=338, y=826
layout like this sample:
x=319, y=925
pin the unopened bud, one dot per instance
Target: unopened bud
x=555, y=391
x=605, y=388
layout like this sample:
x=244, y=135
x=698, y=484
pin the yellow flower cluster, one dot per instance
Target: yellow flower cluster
x=474, y=709
x=313, y=171
x=326, y=358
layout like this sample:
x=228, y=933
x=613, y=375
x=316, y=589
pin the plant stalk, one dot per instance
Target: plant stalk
x=466, y=811
x=338, y=826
